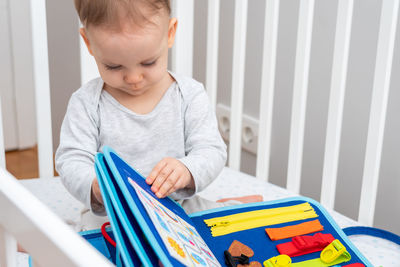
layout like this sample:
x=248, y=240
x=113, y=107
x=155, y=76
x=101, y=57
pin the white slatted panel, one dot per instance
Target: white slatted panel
x=41, y=232
x=300, y=89
x=238, y=72
x=8, y=249
x=336, y=101
x=267, y=88
x=383, y=69
x=212, y=50
x=182, y=51
x=42, y=88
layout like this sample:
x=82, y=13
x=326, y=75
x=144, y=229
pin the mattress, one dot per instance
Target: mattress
x=230, y=183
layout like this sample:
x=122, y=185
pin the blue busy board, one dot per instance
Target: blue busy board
x=150, y=231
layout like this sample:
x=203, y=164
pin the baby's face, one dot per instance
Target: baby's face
x=134, y=59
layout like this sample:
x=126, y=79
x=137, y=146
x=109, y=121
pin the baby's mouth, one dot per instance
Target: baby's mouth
x=135, y=87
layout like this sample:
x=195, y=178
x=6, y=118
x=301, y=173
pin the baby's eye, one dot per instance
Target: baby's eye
x=147, y=64
x=117, y=67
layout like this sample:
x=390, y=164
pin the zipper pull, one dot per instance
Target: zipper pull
x=221, y=223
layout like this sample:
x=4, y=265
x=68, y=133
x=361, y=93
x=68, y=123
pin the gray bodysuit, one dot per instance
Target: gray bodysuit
x=182, y=126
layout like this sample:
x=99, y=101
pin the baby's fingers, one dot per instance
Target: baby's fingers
x=178, y=185
x=161, y=177
x=154, y=173
x=169, y=186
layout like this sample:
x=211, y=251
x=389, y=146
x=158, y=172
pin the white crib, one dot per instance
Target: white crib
x=52, y=243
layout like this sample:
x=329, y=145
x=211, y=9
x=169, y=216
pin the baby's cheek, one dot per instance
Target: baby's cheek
x=112, y=79
x=155, y=74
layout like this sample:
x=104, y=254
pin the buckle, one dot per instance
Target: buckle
x=332, y=251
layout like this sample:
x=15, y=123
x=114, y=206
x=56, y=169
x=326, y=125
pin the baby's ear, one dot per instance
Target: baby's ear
x=82, y=32
x=173, y=23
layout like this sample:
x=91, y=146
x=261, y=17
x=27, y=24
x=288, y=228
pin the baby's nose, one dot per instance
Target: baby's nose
x=133, y=78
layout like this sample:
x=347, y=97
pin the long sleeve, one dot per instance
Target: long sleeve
x=182, y=125
x=204, y=148
x=79, y=139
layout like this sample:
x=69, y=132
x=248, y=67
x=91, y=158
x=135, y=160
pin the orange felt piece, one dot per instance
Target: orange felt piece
x=236, y=249
x=294, y=230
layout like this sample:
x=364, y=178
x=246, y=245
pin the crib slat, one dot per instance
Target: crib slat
x=300, y=89
x=238, y=71
x=267, y=88
x=383, y=69
x=182, y=51
x=336, y=101
x=2, y=148
x=212, y=50
x=8, y=249
x=42, y=88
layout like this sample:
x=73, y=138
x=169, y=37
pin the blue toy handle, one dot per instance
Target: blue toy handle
x=372, y=231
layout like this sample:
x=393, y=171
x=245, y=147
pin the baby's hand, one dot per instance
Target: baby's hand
x=96, y=193
x=168, y=176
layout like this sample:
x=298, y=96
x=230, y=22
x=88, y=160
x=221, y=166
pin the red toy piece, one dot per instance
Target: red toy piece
x=305, y=244
x=354, y=265
x=105, y=234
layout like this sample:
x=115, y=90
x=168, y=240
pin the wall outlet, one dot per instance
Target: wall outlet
x=249, y=128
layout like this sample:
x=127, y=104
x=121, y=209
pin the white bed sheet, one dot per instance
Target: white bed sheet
x=229, y=184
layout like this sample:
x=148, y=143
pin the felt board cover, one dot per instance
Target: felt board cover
x=137, y=251
x=258, y=240
x=167, y=229
x=121, y=182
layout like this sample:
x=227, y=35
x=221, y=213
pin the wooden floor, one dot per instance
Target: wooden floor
x=23, y=164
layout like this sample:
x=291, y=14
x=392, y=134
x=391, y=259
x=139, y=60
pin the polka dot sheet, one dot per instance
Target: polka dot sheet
x=229, y=184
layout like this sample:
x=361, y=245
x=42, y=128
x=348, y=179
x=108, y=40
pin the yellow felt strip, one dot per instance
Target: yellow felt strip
x=258, y=213
x=253, y=219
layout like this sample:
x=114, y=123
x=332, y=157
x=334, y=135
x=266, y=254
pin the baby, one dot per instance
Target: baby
x=159, y=122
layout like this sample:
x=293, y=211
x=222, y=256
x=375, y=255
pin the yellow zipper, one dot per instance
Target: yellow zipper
x=253, y=219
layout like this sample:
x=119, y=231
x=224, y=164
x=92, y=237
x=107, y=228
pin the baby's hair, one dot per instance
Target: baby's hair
x=110, y=12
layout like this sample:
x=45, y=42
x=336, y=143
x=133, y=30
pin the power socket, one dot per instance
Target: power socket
x=249, y=128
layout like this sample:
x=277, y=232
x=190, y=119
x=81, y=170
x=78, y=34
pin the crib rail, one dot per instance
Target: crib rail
x=182, y=62
x=39, y=231
x=384, y=57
